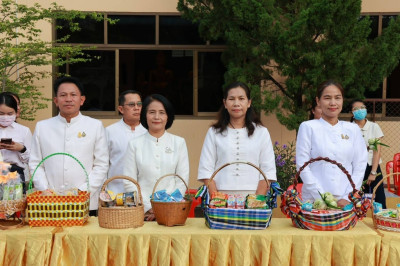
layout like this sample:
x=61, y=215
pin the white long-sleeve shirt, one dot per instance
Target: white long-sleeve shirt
x=234, y=145
x=20, y=134
x=343, y=143
x=148, y=158
x=118, y=136
x=85, y=139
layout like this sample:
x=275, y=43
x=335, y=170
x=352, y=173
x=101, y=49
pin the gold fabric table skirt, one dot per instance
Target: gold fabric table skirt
x=26, y=246
x=390, y=245
x=195, y=244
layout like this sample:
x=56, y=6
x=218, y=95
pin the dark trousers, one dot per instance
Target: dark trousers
x=380, y=192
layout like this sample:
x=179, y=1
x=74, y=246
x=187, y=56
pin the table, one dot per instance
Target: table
x=26, y=246
x=195, y=244
x=390, y=243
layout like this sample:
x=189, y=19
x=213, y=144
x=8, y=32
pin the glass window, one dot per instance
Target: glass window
x=374, y=26
x=176, y=30
x=386, y=20
x=98, y=78
x=169, y=73
x=132, y=30
x=92, y=31
x=211, y=81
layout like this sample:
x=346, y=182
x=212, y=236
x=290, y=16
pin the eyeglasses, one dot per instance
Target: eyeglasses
x=359, y=108
x=131, y=105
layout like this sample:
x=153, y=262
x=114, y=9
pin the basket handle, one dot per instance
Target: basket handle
x=159, y=180
x=227, y=164
x=103, y=188
x=51, y=155
x=295, y=181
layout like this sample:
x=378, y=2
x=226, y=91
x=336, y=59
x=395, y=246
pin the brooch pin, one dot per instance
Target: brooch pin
x=81, y=134
x=168, y=150
x=345, y=137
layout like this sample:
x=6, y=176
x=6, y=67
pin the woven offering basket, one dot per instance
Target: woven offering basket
x=122, y=217
x=321, y=220
x=381, y=222
x=58, y=210
x=10, y=208
x=229, y=218
x=171, y=213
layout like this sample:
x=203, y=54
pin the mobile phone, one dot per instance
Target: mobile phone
x=6, y=140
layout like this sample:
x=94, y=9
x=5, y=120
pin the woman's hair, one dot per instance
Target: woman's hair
x=223, y=117
x=351, y=107
x=327, y=83
x=313, y=105
x=167, y=106
x=7, y=99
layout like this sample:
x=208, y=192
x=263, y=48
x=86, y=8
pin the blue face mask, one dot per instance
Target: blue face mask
x=360, y=114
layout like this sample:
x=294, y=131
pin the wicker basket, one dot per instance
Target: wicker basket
x=10, y=208
x=122, y=217
x=227, y=218
x=380, y=222
x=58, y=210
x=171, y=213
x=324, y=220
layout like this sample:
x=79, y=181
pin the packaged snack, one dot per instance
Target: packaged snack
x=218, y=200
x=129, y=199
x=176, y=196
x=307, y=206
x=162, y=195
x=240, y=202
x=112, y=194
x=377, y=207
x=231, y=201
x=256, y=202
x=6, y=192
x=18, y=191
x=119, y=199
x=106, y=200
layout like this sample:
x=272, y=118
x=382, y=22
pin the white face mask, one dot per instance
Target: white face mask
x=6, y=120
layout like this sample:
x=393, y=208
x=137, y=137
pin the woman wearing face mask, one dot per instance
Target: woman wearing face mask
x=338, y=140
x=370, y=130
x=17, y=151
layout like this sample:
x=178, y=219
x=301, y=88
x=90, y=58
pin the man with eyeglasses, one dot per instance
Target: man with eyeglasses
x=120, y=133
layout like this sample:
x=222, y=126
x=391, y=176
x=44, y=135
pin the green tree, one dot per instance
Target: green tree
x=290, y=46
x=23, y=54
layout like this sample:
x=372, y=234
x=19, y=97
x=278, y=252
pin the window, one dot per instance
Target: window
x=152, y=54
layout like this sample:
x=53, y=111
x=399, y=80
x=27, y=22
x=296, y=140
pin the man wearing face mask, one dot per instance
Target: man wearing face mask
x=370, y=130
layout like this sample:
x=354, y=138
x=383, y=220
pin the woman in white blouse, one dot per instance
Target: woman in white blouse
x=370, y=130
x=237, y=136
x=16, y=151
x=338, y=140
x=156, y=153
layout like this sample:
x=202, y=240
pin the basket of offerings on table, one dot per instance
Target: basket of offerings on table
x=61, y=207
x=324, y=214
x=385, y=219
x=170, y=209
x=12, y=200
x=124, y=210
x=228, y=211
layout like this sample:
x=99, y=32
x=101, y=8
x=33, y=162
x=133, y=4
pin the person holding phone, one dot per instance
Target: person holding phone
x=15, y=138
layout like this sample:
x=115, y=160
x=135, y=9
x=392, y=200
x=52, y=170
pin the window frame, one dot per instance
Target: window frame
x=207, y=47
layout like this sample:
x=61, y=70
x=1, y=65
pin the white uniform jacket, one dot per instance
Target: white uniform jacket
x=343, y=143
x=83, y=138
x=118, y=136
x=371, y=130
x=234, y=145
x=148, y=158
x=20, y=134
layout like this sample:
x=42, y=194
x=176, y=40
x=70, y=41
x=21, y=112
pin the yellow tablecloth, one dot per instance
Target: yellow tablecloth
x=195, y=244
x=390, y=252
x=26, y=246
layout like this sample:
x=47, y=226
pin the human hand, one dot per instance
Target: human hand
x=371, y=178
x=149, y=215
x=14, y=146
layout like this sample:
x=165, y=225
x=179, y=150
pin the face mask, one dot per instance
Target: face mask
x=360, y=114
x=6, y=120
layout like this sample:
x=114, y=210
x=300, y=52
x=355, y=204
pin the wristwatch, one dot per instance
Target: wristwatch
x=23, y=150
x=373, y=173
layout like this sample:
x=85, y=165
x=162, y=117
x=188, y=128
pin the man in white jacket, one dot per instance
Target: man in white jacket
x=120, y=133
x=73, y=133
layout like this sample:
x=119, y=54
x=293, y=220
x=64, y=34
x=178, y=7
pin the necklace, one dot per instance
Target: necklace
x=233, y=126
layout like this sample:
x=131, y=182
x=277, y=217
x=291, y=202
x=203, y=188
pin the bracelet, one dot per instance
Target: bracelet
x=23, y=150
x=373, y=173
